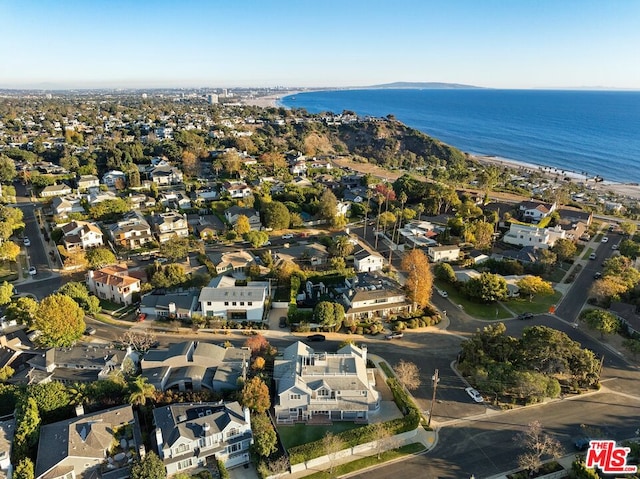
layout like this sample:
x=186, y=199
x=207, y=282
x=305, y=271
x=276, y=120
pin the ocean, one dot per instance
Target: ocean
x=587, y=132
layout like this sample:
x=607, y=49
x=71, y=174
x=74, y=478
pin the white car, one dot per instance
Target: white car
x=32, y=271
x=605, y=239
x=475, y=395
x=287, y=236
x=443, y=293
x=26, y=241
x=614, y=247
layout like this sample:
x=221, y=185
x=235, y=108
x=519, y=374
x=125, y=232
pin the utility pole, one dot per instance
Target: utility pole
x=436, y=379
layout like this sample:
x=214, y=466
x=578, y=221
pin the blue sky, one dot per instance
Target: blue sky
x=190, y=43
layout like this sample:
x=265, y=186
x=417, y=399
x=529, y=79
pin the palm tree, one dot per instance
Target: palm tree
x=140, y=390
x=380, y=201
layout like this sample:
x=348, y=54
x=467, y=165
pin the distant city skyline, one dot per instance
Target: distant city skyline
x=261, y=43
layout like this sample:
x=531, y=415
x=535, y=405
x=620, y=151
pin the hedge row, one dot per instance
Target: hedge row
x=353, y=437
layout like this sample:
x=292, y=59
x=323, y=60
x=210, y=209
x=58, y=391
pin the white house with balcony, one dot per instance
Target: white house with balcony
x=189, y=435
x=376, y=297
x=443, y=254
x=335, y=386
x=223, y=299
x=530, y=235
x=365, y=261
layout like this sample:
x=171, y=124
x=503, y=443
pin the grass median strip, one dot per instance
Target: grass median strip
x=369, y=461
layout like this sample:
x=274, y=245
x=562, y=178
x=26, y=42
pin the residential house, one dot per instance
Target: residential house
x=195, y=365
x=163, y=175
x=177, y=200
x=534, y=211
x=305, y=255
x=113, y=283
x=366, y=261
x=97, y=196
x=110, y=178
x=170, y=305
x=192, y=435
x=223, y=299
x=131, y=232
x=446, y=253
x=320, y=163
x=87, y=181
x=575, y=216
x=628, y=315
x=420, y=234
x=63, y=205
x=464, y=275
x=83, y=445
x=477, y=256
x=530, y=235
x=366, y=296
x=81, y=235
x=236, y=189
x=169, y=225
x=7, y=430
x=77, y=364
x=526, y=255
x=231, y=261
x=334, y=386
x=140, y=201
x=231, y=214
x=299, y=167
x=208, y=194
x=55, y=190
x=205, y=227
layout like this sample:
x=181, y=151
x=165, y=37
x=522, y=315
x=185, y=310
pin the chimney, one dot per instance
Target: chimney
x=172, y=308
x=247, y=416
x=79, y=410
x=364, y=352
x=159, y=441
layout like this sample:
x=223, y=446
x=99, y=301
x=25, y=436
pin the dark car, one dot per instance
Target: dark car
x=525, y=316
x=396, y=335
x=316, y=337
x=582, y=443
x=89, y=331
x=283, y=322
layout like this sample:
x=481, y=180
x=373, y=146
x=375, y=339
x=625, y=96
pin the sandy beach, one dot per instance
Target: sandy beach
x=268, y=101
x=630, y=190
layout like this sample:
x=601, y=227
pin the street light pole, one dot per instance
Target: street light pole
x=436, y=379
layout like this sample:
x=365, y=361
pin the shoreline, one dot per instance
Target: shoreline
x=629, y=190
x=270, y=101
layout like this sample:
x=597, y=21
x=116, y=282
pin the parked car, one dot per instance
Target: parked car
x=89, y=331
x=287, y=236
x=26, y=241
x=598, y=275
x=614, y=247
x=316, y=338
x=283, y=322
x=395, y=335
x=525, y=316
x=475, y=395
x=442, y=293
x=141, y=317
x=32, y=271
x=592, y=256
x=582, y=443
x=605, y=239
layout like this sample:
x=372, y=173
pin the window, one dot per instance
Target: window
x=182, y=448
x=323, y=392
x=184, y=464
x=226, y=303
x=232, y=432
x=208, y=303
x=250, y=303
x=241, y=303
x=234, y=447
x=234, y=303
x=294, y=396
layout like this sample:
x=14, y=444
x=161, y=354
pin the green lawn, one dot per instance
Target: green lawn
x=369, y=461
x=587, y=253
x=539, y=304
x=558, y=273
x=477, y=310
x=302, y=434
x=8, y=271
x=109, y=306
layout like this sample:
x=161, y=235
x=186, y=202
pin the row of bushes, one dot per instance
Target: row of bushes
x=353, y=437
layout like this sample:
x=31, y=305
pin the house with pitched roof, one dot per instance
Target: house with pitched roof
x=366, y=296
x=131, y=232
x=195, y=365
x=444, y=253
x=335, y=386
x=63, y=205
x=189, y=435
x=113, y=283
x=81, y=235
x=110, y=178
x=531, y=235
x=534, y=211
x=179, y=305
x=7, y=430
x=169, y=225
x=55, y=190
x=85, y=182
x=236, y=189
x=89, y=445
x=365, y=261
x=234, y=212
x=223, y=299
